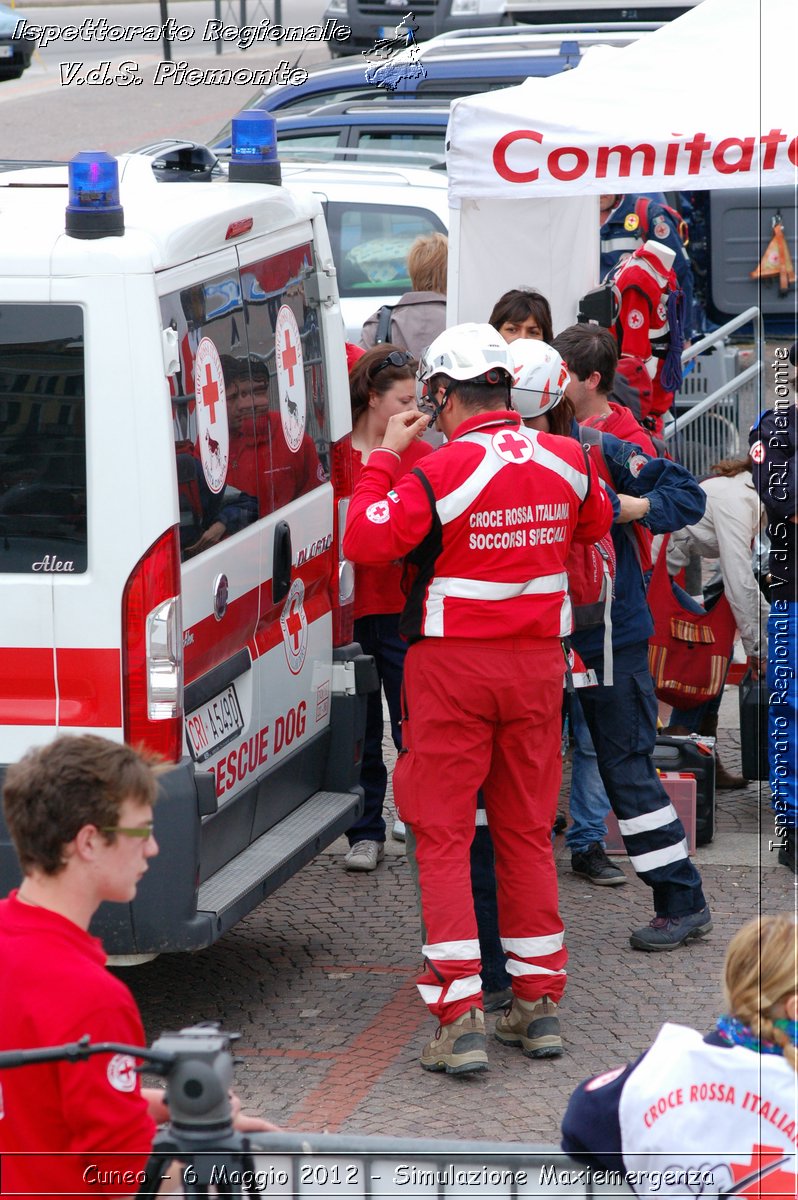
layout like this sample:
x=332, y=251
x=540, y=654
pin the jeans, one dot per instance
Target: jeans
x=783, y=712
x=623, y=725
x=588, y=803
x=379, y=635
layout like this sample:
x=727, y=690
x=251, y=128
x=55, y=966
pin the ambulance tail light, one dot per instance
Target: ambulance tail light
x=152, y=650
x=343, y=599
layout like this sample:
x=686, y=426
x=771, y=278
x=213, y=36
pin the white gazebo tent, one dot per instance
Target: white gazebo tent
x=708, y=101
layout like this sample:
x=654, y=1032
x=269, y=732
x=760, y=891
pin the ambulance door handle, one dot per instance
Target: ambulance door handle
x=281, y=564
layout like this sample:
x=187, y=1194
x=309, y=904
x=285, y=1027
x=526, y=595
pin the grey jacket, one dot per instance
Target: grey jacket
x=416, y=321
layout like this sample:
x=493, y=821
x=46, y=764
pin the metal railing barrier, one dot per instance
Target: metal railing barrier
x=706, y=425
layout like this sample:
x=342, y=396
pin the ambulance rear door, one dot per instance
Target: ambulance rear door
x=293, y=641
x=221, y=569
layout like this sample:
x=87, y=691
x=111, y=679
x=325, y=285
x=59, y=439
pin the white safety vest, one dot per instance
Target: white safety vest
x=706, y=1120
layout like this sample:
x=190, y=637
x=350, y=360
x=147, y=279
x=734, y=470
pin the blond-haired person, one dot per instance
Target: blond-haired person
x=420, y=315
x=714, y=1114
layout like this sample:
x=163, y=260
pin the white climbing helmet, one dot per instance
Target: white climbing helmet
x=467, y=352
x=540, y=377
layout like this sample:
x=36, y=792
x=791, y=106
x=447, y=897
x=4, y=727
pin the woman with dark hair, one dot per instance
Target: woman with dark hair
x=733, y=517
x=522, y=313
x=381, y=383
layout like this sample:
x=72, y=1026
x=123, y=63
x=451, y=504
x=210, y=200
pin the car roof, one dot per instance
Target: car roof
x=486, y=49
x=363, y=175
x=366, y=114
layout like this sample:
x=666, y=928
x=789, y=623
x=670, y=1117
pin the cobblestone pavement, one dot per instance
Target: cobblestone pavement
x=319, y=981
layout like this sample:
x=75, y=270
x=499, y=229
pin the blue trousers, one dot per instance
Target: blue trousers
x=783, y=711
x=379, y=635
x=623, y=725
x=588, y=803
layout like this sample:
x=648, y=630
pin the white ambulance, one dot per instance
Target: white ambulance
x=173, y=399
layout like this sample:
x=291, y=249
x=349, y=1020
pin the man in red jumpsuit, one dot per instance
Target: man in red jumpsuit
x=489, y=518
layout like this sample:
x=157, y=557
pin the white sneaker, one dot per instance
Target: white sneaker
x=364, y=856
x=398, y=832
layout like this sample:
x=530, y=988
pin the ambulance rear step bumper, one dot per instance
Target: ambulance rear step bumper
x=267, y=863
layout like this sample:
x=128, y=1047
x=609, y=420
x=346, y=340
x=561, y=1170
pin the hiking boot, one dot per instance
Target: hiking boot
x=458, y=1048
x=399, y=832
x=724, y=780
x=364, y=856
x=493, y=1001
x=532, y=1025
x=594, y=865
x=788, y=854
x=668, y=933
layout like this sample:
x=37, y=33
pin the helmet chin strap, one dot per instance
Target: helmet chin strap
x=437, y=408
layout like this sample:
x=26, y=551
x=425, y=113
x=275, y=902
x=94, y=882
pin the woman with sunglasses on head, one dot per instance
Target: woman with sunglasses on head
x=714, y=1115
x=522, y=313
x=381, y=383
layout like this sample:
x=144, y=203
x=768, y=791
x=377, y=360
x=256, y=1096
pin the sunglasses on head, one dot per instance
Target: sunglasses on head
x=397, y=358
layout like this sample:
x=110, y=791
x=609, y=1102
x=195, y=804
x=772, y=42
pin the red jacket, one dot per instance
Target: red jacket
x=378, y=590
x=622, y=424
x=508, y=501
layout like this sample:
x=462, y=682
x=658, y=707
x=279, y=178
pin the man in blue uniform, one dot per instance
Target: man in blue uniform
x=657, y=495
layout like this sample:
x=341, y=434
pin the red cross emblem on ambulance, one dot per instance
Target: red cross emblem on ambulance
x=512, y=446
x=294, y=624
x=213, y=434
x=290, y=367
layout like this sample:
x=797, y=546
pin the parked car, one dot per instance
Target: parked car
x=374, y=214
x=15, y=51
x=371, y=20
x=405, y=132
x=455, y=65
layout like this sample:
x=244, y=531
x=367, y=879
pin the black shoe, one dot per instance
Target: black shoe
x=788, y=854
x=668, y=933
x=495, y=1001
x=593, y=864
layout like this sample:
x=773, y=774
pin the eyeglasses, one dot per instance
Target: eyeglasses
x=397, y=358
x=135, y=831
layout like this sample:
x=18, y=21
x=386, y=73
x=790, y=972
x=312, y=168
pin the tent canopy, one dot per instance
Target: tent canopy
x=709, y=100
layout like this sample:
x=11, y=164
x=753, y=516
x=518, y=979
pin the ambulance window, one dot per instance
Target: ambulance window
x=287, y=371
x=42, y=439
x=213, y=415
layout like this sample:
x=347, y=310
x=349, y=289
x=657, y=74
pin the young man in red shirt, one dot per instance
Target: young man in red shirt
x=79, y=812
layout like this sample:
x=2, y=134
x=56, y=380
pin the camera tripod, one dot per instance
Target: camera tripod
x=199, y=1146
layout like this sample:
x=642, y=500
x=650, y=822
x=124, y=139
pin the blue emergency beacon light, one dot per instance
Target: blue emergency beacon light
x=94, y=210
x=254, y=156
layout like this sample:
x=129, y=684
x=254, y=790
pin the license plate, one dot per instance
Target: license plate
x=6, y=51
x=214, y=724
x=386, y=31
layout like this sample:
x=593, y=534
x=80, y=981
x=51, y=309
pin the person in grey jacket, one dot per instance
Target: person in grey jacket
x=420, y=315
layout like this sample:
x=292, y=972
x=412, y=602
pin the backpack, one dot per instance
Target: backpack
x=384, y=319
x=640, y=538
x=591, y=571
x=642, y=206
